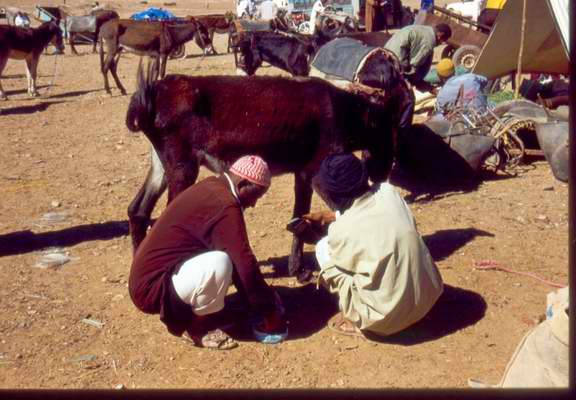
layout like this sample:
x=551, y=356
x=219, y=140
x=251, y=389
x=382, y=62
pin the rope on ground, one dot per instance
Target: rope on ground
x=53, y=75
x=485, y=265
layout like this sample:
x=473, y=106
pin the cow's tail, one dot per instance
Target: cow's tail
x=140, y=114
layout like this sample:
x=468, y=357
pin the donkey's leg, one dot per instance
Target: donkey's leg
x=163, y=59
x=96, y=36
x=142, y=205
x=212, y=48
x=31, y=68
x=113, y=66
x=71, y=43
x=302, y=202
x=106, y=62
x=3, y=61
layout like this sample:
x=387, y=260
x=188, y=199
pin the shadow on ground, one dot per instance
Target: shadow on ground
x=28, y=241
x=72, y=94
x=456, y=309
x=441, y=245
x=445, y=242
x=307, y=311
x=42, y=106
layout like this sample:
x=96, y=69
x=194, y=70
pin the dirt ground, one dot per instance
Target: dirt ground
x=69, y=170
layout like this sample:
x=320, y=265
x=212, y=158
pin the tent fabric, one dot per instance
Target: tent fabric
x=545, y=46
x=560, y=9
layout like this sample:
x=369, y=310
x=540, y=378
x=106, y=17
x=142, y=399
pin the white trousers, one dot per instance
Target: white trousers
x=322, y=251
x=203, y=281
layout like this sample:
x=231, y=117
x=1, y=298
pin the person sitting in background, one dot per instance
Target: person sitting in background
x=196, y=249
x=466, y=89
x=317, y=9
x=373, y=257
x=490, y=11
x=267, y=10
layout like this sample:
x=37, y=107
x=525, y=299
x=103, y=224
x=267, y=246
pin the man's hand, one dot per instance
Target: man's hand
x=545, y=102
x=320, y=218
x=273, y=322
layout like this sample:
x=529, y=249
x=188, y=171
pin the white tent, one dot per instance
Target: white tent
x=546, y=42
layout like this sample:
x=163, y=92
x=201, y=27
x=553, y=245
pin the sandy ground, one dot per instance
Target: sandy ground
x=68, y=154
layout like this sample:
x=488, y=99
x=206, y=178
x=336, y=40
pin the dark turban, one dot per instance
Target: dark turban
x=343, y=176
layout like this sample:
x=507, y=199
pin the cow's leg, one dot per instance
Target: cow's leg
x=113, y=66
x=142, y=205
x=302, y=203
x=3, y=61
x=31, y=68
x=182, y=175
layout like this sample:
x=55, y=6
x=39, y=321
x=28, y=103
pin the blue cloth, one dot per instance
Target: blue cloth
x=153, y=14
x=427, y=5
x=473, y=94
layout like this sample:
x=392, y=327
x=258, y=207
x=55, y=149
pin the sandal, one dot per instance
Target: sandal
x=216, y=340
x=342, y=326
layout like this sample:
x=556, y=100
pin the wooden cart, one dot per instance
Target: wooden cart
x=468, y=37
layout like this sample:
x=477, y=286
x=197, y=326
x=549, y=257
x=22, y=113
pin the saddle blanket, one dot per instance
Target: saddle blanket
x=85, y=23
x=341, y=58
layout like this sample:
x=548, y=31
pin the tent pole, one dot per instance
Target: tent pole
x=521, y=51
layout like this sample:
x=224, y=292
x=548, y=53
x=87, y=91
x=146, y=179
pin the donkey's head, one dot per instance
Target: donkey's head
x=55, y=32
x=247, y=55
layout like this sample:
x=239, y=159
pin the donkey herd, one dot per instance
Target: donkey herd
x=293, y=123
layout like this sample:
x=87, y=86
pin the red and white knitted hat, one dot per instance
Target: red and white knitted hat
x=252, y=168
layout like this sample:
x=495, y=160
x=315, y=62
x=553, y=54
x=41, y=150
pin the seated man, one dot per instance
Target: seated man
x=466, y=89
x=196, y=248
x=373, y=256
x=267, y=10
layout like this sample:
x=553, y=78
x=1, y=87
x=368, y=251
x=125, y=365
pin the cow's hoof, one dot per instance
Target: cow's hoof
x=304, y=275
x=240, y=72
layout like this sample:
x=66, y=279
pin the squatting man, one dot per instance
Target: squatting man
x=196, y=249
x=373, y=257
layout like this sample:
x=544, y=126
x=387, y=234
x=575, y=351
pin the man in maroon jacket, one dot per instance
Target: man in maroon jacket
x=198, y=246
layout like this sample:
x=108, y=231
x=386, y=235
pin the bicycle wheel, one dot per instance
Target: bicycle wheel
x=514, y=150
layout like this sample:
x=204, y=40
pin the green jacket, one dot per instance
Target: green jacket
x=414, y=47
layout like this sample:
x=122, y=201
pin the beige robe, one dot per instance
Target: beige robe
x=379, y=265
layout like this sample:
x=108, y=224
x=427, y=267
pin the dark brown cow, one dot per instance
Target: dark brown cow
x=151, y=38
x=292, y=123
x=102, y=16
x=27, y=44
